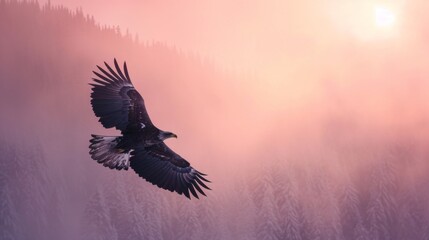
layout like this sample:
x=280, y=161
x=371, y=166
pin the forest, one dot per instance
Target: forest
x=321, y=172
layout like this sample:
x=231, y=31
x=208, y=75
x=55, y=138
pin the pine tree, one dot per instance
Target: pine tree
x=349, y=207
x=382, y=205
x=98, y=223
x=359, y=231
x=154, y=213
x=190, y=223
x=138, y=214
x=268, y=224
x=314, y=214
x=285, y=192
x=119, y=205
x=411, y=218
x=242, y=212
x=207, y=217
x=34, y=200
x=9, y=220
x=9, y=229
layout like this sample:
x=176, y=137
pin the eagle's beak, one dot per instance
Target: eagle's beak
x=174, y=135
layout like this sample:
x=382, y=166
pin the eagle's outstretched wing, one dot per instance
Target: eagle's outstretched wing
x=115, y=100
x=161, y=166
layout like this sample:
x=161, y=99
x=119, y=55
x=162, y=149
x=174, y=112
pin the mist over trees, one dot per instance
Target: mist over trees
x=337, y=179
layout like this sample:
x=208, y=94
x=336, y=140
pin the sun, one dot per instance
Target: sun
x=384, y=17
x=368, y=20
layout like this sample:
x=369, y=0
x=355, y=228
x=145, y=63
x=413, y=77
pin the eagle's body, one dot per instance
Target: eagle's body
x=118, y=104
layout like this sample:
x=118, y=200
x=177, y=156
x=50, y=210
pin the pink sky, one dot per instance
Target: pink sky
x=298, y=50
x=254, y=35
x=273, y=39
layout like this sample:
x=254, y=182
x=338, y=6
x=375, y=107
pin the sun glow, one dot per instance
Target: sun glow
x=383, y=17
x=368, y=20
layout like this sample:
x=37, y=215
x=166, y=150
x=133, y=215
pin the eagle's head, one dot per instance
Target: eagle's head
x=164, y=135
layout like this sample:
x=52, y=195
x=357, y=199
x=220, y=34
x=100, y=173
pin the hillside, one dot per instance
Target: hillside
x=47, y=57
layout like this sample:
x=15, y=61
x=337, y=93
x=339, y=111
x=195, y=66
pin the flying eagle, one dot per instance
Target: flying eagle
x=141, y=146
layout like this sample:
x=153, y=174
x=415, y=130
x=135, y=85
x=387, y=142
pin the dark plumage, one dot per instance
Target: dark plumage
x=118, y=104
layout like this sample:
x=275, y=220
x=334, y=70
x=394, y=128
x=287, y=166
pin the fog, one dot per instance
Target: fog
x=310, y=119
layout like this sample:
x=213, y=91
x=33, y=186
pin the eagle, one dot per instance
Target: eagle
x=141, y=145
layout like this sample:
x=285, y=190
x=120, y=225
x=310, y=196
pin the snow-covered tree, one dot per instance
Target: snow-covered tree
x=98, y=223
x=242, y=213
x=285, y=194
x=382, y=204
x=359, y=232
x=9, y=225
x=411, y=216
x=349, y=204
x=268, y=224
x=209, y=220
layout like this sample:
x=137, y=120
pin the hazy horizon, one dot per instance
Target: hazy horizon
x=311, y=119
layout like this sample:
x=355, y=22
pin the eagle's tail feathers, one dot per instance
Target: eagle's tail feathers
x=104, y=151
